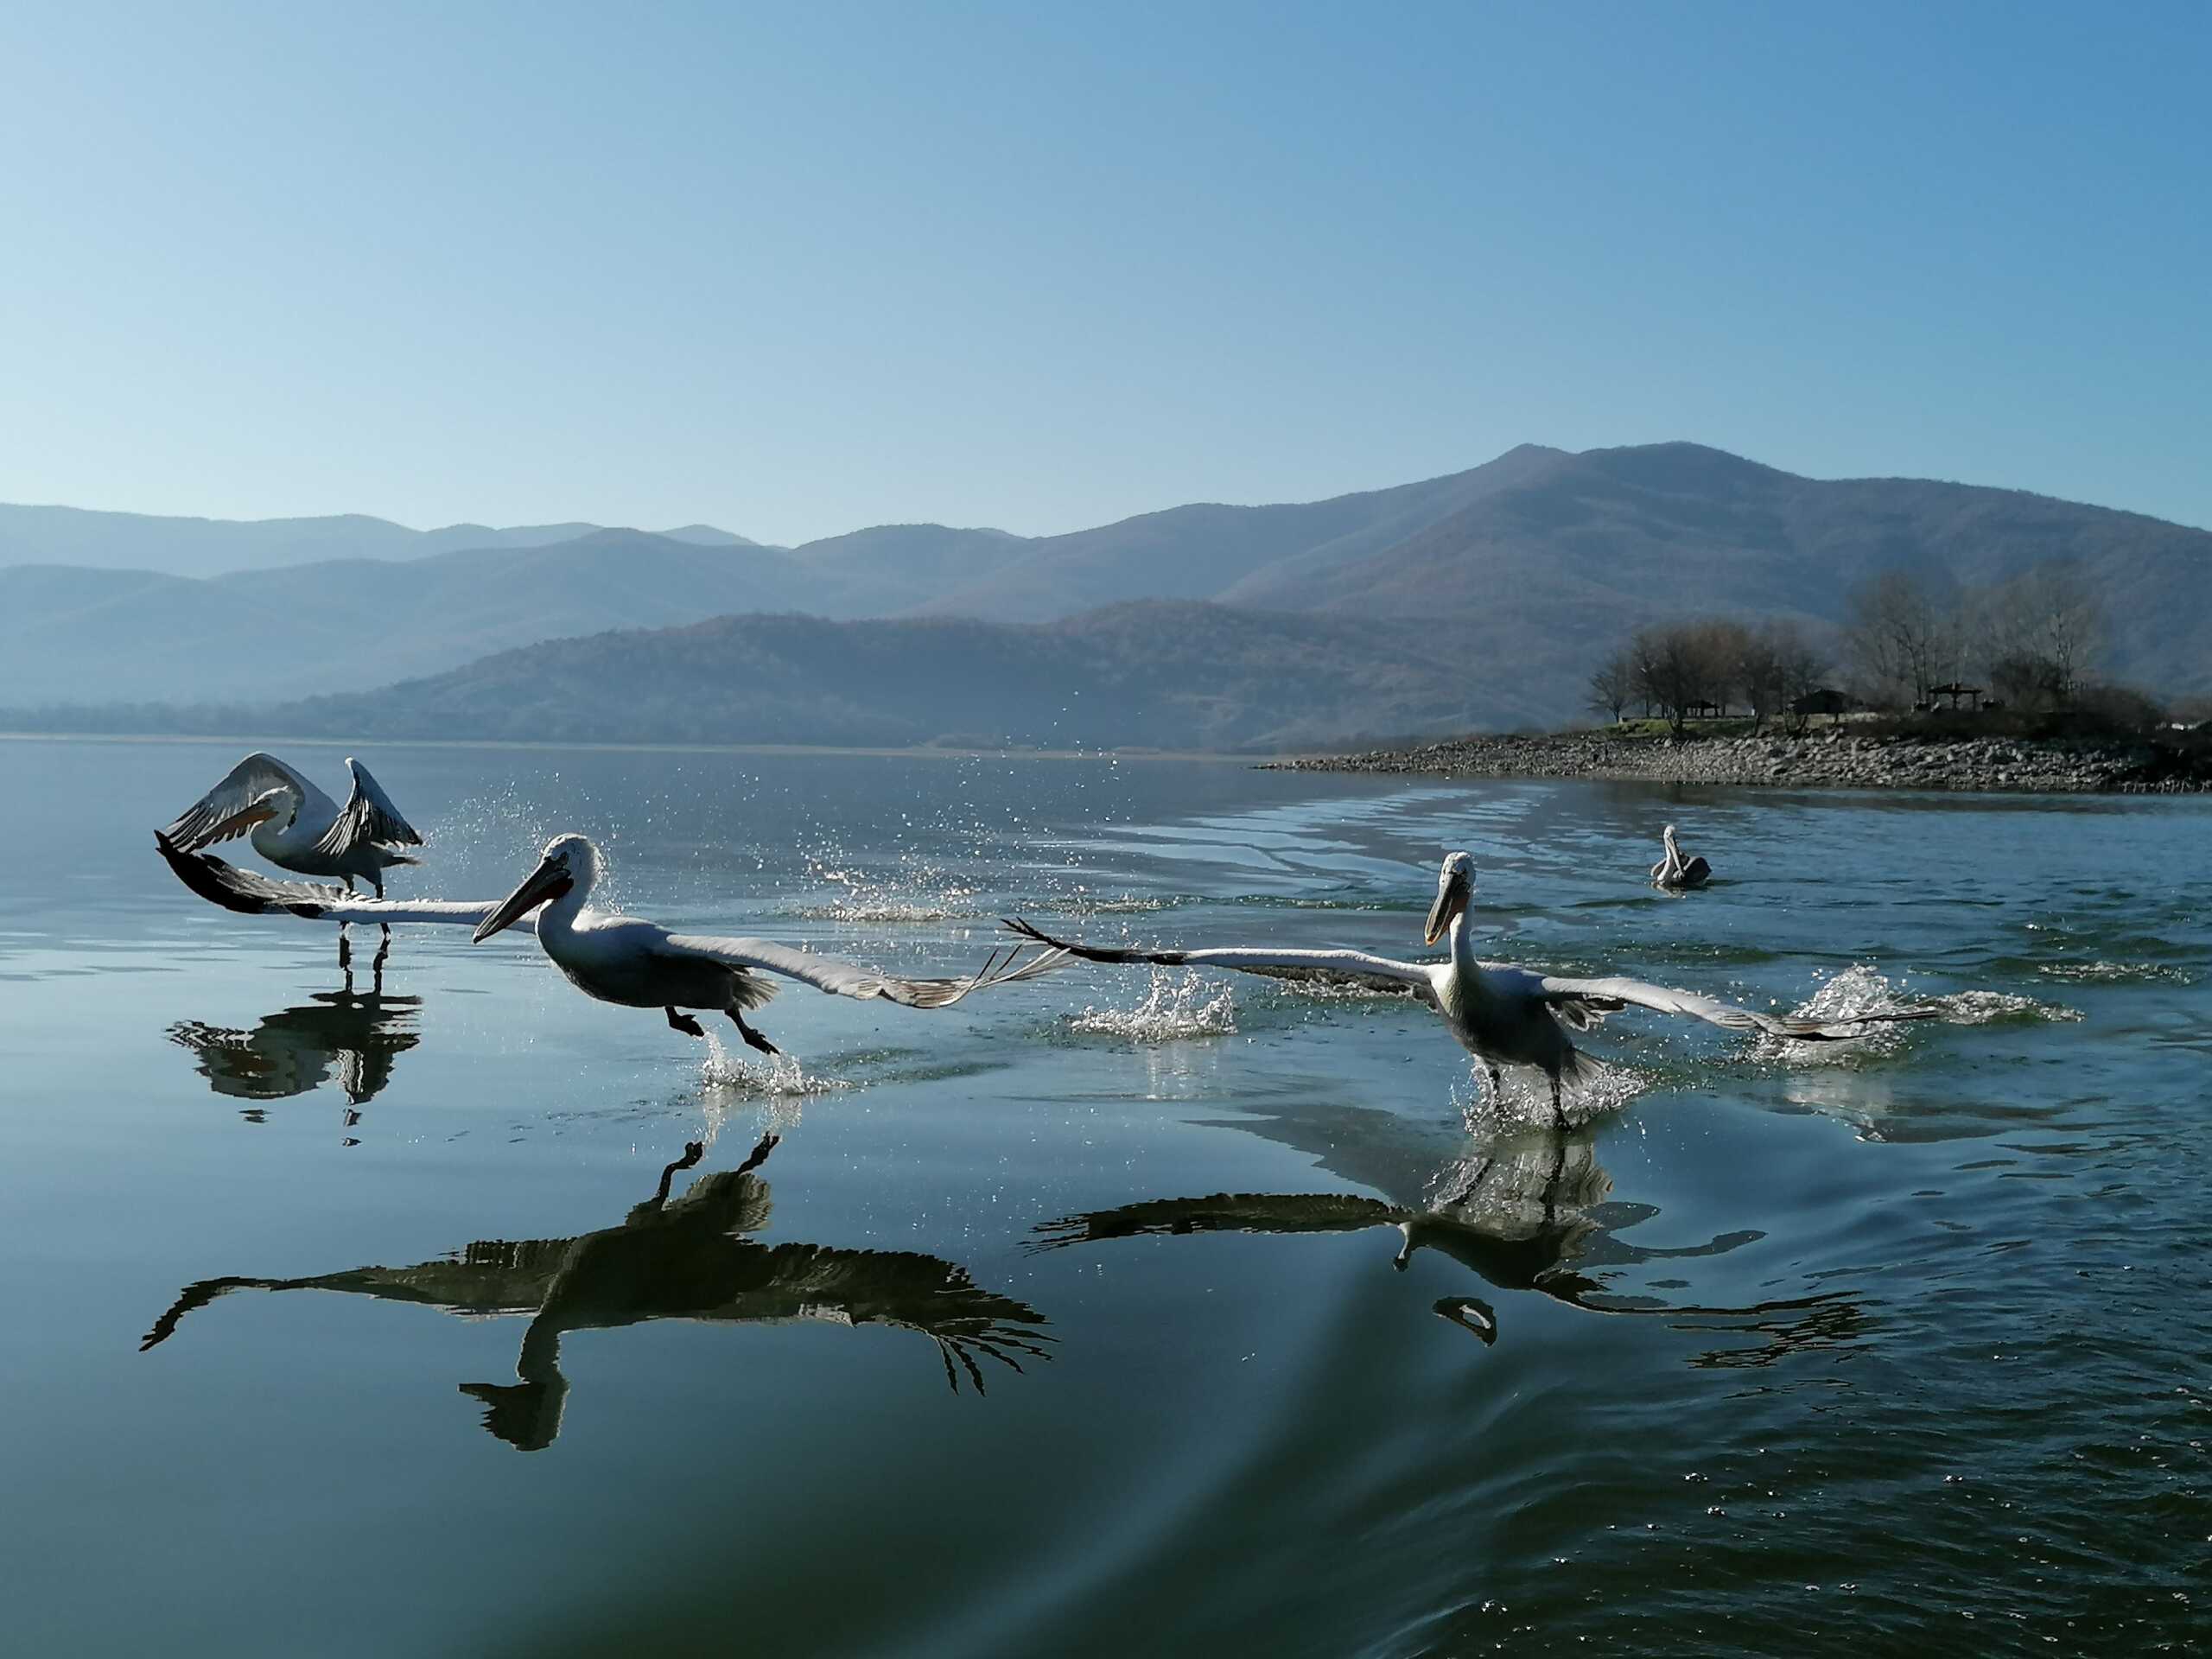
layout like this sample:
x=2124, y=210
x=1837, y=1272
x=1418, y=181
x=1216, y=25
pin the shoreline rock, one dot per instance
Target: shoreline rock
x=1830, y=758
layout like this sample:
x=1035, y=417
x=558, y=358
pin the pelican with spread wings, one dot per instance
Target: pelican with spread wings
x=612, y=957
x=1502, y=1014
x=298, y=828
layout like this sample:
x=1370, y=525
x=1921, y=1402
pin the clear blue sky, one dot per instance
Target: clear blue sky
x=796, y=269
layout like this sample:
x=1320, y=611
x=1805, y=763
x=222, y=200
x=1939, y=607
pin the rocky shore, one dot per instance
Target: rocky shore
x=1834, y=759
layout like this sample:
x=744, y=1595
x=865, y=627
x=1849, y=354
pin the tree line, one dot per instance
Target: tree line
x=2032, y=643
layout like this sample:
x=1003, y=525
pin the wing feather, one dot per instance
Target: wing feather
x=843, y=978
x=1607, y=995
x=222, y=812
x=249, y=894
x=368, y=816
x=1343, y=967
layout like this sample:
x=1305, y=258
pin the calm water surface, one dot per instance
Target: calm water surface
x=1077, y=1319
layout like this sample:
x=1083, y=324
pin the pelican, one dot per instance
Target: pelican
x=612, y=958
x=1502, y=1014
x=1676, y=871
x=298, y=828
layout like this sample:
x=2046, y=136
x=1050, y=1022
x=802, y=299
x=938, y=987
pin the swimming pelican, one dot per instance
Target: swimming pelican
x=1503, y=1015
x=298, y=828
x=612, y=957
x=1676, y=871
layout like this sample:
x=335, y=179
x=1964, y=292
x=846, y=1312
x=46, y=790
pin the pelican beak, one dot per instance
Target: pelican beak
x=1451, y=900
x=547, y=881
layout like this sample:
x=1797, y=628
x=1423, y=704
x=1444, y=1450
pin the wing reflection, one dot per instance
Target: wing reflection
x=355, y=1036
x=686, y=1258
x=1531, y=1213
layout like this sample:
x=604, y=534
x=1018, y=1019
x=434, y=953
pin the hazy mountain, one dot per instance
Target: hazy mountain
x=82, y=636
x=1585, y=545
x=893, y=568
x=1509, y=579
x=1159, y=675
x=1200, y=552
x=208, y=547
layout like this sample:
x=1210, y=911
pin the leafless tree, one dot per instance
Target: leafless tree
x=1799, y=669
x=1613, y=684
x=1905, y=637
x=2046, y=629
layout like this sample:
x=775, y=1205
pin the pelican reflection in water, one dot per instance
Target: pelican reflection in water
x=685, y=1258
x=356, y=1036
x=1531, y=1213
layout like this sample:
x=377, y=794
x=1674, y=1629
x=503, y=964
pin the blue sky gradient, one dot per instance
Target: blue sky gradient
x=796, y=269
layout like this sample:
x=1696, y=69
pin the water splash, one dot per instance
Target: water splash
x=1525, y=1101
x=776, y=1076
x=1175, y=1006
x=1862, y=990
x=920, y=892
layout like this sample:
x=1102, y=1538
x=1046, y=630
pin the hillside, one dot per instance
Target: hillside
x=1154, y=675
x=1516, y=574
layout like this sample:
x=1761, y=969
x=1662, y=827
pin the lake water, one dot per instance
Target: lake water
x=1070, y=1320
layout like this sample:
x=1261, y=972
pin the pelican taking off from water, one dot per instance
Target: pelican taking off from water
x=1676, y=871
x=298, y=828
x=1503, y=1015
x=612, y=957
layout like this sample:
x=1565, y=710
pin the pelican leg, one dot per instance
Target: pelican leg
x=752, y=1037
x=377, y=961
x=686, y=1024
x=1559, y=1107
x=345, y=949
x=1496, y=1087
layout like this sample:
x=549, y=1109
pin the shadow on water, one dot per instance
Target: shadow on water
x=354, y=1035
x=685, y=1258
x=1529, y=1211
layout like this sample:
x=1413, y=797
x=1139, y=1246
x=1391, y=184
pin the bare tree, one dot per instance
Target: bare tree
x=1904, y=637
x=2046, y=631
x=1613, y=684
x=1800, y=669
x=1671, y=671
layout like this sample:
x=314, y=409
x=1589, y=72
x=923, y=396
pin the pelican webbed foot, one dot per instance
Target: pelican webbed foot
x=754, y=1039
x=685, y=1023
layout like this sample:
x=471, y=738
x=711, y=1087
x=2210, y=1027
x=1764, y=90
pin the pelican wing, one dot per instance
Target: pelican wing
x=842, y=978
x=368, y=816
x=1598, y=996
x=249, y=894
x=1344, y=967
x=258, y=781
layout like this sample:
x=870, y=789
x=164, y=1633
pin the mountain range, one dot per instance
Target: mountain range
x=1476, y=598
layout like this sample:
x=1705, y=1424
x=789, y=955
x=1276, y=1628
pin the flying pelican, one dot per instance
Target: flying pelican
x=685, y=1258
x=298, y=828
x=1503, y=1015
x=613, y=957
x=1676, y=871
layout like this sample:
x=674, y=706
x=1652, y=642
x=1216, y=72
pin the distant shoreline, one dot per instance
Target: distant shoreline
x=248, y=740
x=1831, y=759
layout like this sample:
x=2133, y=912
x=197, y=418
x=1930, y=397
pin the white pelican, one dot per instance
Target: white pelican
x=298, y=828
x=1502, y=1014
x=612, y=957
x=1676, y=871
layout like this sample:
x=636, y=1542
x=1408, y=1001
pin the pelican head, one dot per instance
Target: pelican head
x=567, y=863
x=1668, y=835
x=1455, y=887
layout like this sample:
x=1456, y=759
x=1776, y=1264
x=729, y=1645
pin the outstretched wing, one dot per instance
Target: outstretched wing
x=1610, y=995
x=249, y=894
x=368, y=816
x=1343, y=967
x=259, y=787
x=842, y=978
